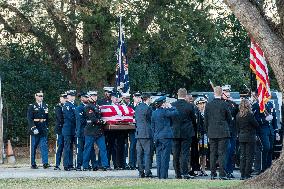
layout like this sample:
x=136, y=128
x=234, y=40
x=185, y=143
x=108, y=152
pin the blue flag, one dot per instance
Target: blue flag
x=121, y=78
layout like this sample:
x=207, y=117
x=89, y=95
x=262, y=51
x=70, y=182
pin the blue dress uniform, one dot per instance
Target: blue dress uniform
x=266, y=133
x=163, y=136
x=94, y=133
x=68, y=131
x=59, y=137
x=80, y=125
x=37, y=116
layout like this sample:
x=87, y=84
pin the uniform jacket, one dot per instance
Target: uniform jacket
x=59, y=120
x=94, y=125
x=69, y=125
x=80, y=120
x=184, y=121
x=36, y=113
x=260, y=118
x=217, y=119
x=246, y=127
x=104, y=102
x=143, y=121
x=234, y=109
x=161, y=122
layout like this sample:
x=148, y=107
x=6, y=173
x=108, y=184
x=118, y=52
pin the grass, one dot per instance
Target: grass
x=109, y=183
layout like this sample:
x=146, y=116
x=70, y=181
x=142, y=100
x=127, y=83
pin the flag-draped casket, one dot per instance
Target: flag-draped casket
x=118, y=116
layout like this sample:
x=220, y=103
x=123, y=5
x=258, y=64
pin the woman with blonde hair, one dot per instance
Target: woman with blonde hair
x=246, y=127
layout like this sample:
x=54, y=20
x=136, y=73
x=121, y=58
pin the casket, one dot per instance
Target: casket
x=118, y=117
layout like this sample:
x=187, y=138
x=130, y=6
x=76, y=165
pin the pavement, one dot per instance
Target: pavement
x=24, y=171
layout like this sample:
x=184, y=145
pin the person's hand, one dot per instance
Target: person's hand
x=36, y=131
x=269, y=118
x=277, y=137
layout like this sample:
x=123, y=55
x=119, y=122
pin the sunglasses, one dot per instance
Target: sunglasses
x=40, y=95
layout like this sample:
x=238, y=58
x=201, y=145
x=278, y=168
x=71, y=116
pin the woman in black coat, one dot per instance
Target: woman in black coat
x=246, y=127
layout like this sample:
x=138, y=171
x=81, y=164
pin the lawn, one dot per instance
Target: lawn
x=109, y=183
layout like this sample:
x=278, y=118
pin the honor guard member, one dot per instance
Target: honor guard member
x=107, y=96
x=59, y=120
x=183, y=131
x=80, y=125
x=217, y=121
x=37, y=116
x=163, y=134
x=144, y=136
x=267, y=129
x=94, y=133
x=200, y=102
x=68, y=130
x=233, y=107
x=132, y=140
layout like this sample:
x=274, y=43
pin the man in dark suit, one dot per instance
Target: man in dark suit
x=144, y=136
x=182, y=133
x=217, y=120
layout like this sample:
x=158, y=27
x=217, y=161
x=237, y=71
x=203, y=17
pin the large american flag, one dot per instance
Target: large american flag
x=114, y=114
x=121, y=78
x=259, y=67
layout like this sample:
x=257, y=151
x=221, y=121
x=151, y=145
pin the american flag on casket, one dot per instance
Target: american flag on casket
x=117, y=114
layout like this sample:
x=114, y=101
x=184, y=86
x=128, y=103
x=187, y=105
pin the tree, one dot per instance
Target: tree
x=269, y=34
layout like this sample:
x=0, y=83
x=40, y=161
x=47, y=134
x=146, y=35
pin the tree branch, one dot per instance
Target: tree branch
x=25, y=25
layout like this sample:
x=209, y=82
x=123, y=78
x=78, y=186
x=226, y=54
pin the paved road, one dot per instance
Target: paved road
x=24, y=171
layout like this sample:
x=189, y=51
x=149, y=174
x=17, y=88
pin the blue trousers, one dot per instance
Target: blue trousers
x=79, y=152
x=132, y=149
x=89, y=151
x=267, y=146
x=163, y=150
x=68, y=151
x=59, y=149
x=42, y=141
x=229, y=167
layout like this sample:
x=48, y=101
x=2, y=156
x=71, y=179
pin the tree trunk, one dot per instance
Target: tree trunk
x=270, y=42
x=273, y=47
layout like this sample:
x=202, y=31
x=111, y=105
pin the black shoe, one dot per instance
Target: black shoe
x=34, y=167
x=213, y=176
x=256, y=172
x=78, y=169
x=224, y=178
x=67, y=169
x=84, y=169
x=104, y=169
x=202, y=173
x=230, y=175
x=192, y=173
x=149, y=175
x=242, y=178
x=187, y=177
x=72, y=168
x=142, y=175
x=178, y=177
x=57, y=168
x=46, y=165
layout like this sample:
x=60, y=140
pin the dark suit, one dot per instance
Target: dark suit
x=163, y=135
x=183, y=131
x=217, y=120
x=246, y=127
x=144, y=136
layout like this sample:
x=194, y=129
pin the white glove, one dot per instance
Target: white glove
x=269, y=118
x=36, y=132
x=277, y=136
